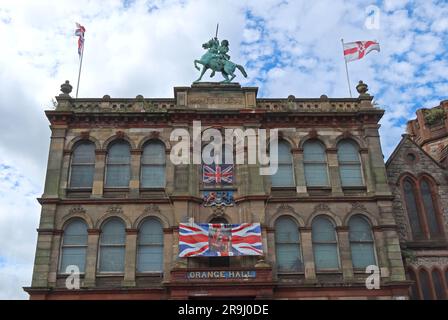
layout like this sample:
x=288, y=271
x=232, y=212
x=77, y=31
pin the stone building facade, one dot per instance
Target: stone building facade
x=324, y=217
x=418, y=178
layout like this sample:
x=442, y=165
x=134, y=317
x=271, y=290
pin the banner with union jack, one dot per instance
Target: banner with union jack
x=217, y=173
x=218, y=240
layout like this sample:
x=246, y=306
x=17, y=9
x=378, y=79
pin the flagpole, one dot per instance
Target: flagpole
x=346, y=70
x=80, y=66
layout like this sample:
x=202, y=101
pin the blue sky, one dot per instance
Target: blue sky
x=147, y=47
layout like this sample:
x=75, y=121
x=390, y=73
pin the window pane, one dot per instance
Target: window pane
x=153, y=176
x=438, y=285
x=350, y=175
x=113, y=232
x=75, y=233
x=150, y=258
x=429, y=208
x=84, y=153
x=73, y=256
x=425, y=285
x=153, y=153
x=359, y=229
x=286, y=230
x=82, y=176
x=347, y=152
x=151, y=232
x=326, y=256
x=316, y=174
x=284, y=176
x=284, y=152
x=112, y=259
x=118, y=176
x=362, y=255
x=414, y=292
x=323, y=230
x=314, y=151
x=411, y=208
x=288, y=257
x=119, y=153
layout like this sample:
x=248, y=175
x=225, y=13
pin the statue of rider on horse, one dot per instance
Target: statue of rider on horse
x=217, y=59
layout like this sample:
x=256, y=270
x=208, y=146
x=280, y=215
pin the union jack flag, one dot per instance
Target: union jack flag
x=215, y=239
x=80, y=30
x=216, y=174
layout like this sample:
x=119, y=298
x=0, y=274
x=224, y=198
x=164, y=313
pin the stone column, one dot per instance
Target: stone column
x=134, y=183
x=65, y=173
x=333, y=171
x=376, y=159
x=168, y=248
x=130, y=258
x=381, y=252
x=42, y=259
x=270, y=253
x=299, y=172
x=308, y=255
x=54, y=258
x=55, y=157
x=345, y=253
x=169, y=173
x=98, y=177
x=92, y=257
x=367, y=171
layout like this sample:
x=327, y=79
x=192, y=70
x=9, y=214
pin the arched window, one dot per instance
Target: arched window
x=425, y=285
x=74, y=246
x=315, y=164
x=153, y=165
x=361, y=242
x=325, y=246
x=150, y=246
x=284, y=177
x=118, y=171
x=414, y=287
x=411, y=208
x=430, y=209
x=287, y=245
x=82, y=165
x=438, y=284
x=112, y=246
x=349, y=164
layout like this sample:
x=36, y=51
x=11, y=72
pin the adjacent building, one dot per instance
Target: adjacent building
x=418, y=178
x=113, y=200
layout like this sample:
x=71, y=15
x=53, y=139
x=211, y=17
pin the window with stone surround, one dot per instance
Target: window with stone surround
x=112, y=246
x=315, y=164
x=74, y=246
x=325, y=245
x=287, y=245
x=150, y=246
x=350, y=169
x=82, y=166
x=118, y=169
x=361, y=242
x=284, y=177
x=153, y=165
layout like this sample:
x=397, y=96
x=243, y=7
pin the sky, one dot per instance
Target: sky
x=148, y=47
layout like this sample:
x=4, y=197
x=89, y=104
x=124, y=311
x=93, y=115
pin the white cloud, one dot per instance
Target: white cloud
x=148, y=47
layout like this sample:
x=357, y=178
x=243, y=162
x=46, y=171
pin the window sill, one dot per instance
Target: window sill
x=356, y=188
x=432, y=244
x=154, y=274
x=109, y=274
x=78, y=192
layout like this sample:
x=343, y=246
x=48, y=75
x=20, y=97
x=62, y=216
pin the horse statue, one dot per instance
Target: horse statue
x=217, y=59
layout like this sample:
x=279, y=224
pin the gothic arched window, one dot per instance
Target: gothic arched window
x=430, y=209
x=412, y=209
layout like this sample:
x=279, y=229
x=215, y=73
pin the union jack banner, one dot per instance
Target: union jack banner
x=217, y=174
x=79, y=32
x=218, y=240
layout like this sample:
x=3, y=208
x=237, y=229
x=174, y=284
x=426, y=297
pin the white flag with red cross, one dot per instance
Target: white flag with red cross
x=358, y=49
